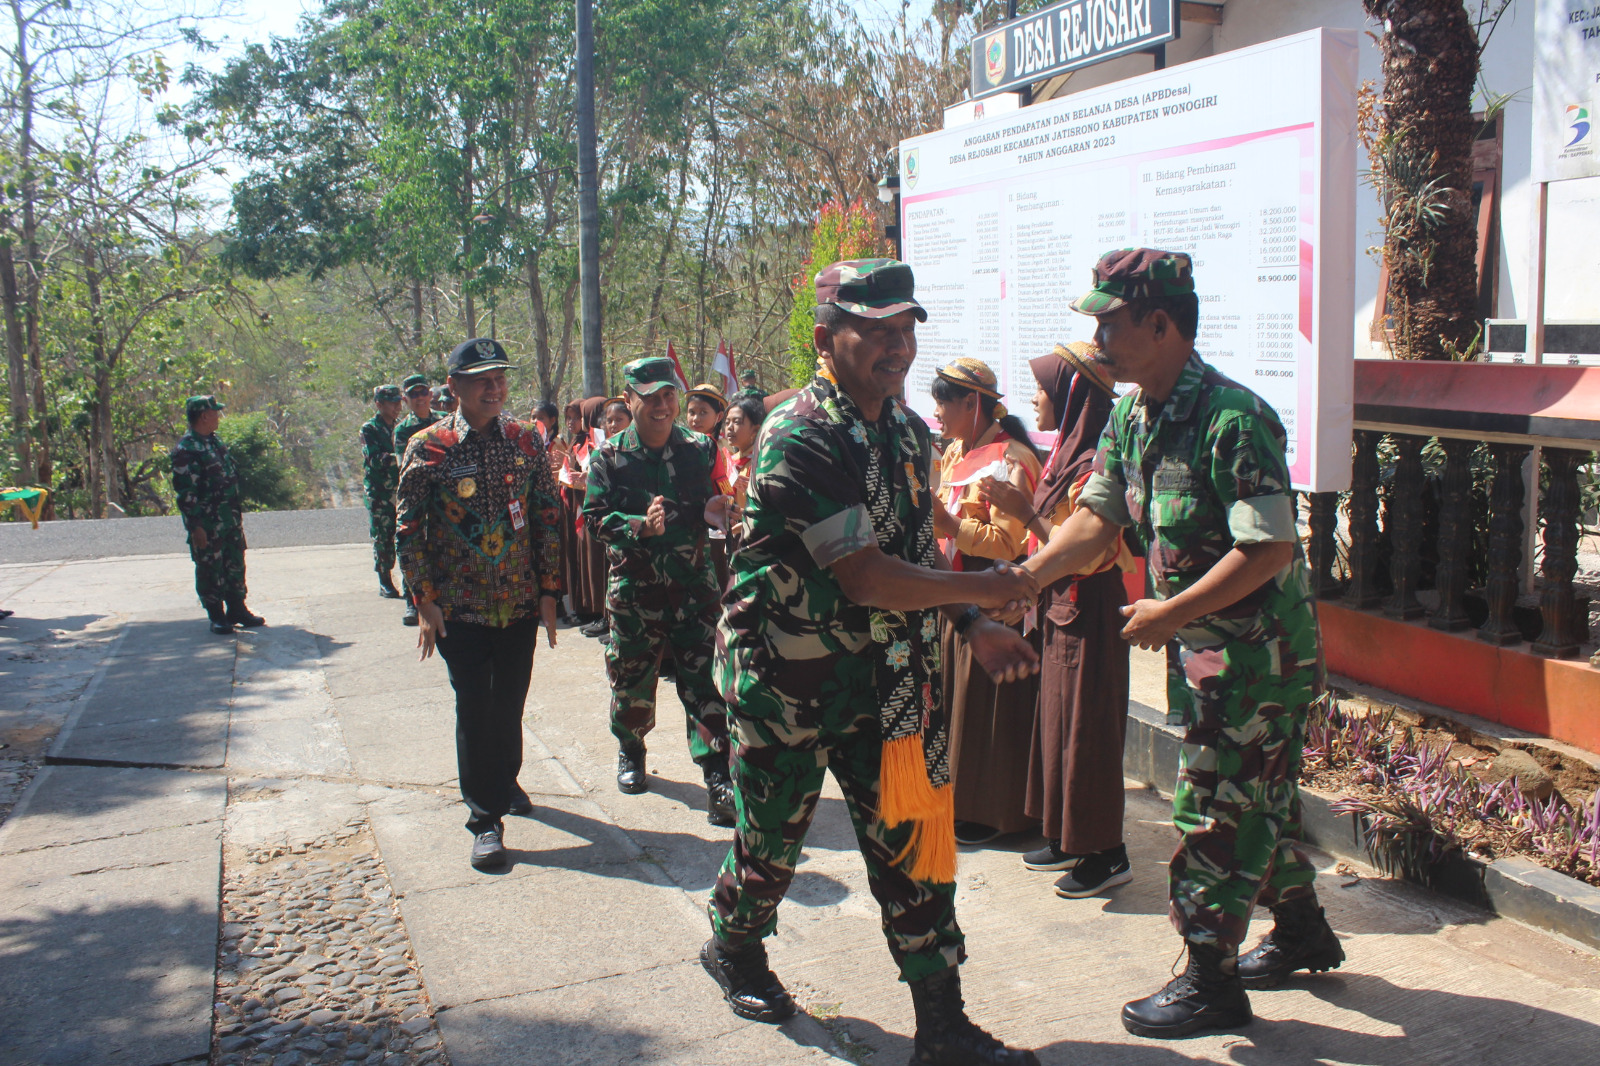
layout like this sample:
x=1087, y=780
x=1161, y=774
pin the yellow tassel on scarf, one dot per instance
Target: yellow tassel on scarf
x=906, y=795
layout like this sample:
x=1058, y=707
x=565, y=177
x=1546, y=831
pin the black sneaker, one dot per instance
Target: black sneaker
x=975, y=833
x=488, y=849
x=1095, y=873
x=1050, y=857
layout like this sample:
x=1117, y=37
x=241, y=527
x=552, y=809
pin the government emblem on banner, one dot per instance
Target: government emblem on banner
x=995, y=58
x=912, y=167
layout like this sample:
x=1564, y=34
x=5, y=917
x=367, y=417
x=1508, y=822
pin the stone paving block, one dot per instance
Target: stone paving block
x=543, y=930
x=671, y=1015
x=70, y=804
x=108, y=950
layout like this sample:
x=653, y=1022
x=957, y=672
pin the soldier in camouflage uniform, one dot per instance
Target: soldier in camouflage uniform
x=829, y=659
x=650, y=488
x=380, y=476
x=1195, y=464
x=206, y=487
x=419, y=398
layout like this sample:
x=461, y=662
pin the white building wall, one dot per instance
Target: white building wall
x=1573, y=259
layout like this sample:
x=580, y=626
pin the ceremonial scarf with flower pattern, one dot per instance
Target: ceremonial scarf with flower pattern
x=907, y=642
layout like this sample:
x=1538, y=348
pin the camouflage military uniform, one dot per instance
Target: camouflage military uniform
x=661, y=592
x=798, y=665
x=380, y=468
x=206, y=486
x=1194, y=477
x=408, y=427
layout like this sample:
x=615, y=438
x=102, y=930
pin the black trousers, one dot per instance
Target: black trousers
x=489, y=669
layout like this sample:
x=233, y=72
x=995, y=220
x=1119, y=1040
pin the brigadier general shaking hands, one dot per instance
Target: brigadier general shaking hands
x=1195, y=464
x=481, y=550
x=830, y=659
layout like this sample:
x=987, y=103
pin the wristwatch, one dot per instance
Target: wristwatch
x=966, y=618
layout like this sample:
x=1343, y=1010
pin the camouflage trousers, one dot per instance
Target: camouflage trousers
x=381, y=524
x=641, y=637
x=1237, y=801
x=219, y=567
x=778, y=768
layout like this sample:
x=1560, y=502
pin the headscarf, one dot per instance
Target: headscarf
x=1081, y=396
x=591, y=409
x=573, y=413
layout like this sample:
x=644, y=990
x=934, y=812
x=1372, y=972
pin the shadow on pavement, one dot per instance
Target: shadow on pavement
x=126, y=985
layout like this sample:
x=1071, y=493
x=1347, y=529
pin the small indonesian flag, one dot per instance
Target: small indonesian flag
x=723, y=364
x=683, y=382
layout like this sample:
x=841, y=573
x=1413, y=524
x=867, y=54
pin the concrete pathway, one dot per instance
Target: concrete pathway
x=250, y=850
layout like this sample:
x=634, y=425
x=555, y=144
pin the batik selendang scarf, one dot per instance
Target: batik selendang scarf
x=914, y=777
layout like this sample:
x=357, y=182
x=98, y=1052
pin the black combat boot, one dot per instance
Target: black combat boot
x=410, y=617
x=219, y=620
x=631, y=777
x=1301, y=939
x=719, y=791
x=946, y=1036
x=240, y=615
x=386, y=587
x=1206, y=995
x=747, y=982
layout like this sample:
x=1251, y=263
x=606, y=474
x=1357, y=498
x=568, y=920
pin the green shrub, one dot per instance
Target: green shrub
x=842, y=231
x=266, y=480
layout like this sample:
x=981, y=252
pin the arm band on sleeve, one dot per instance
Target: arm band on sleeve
x=839, y=535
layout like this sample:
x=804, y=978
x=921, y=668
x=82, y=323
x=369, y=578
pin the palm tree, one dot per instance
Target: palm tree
x=1422, y=167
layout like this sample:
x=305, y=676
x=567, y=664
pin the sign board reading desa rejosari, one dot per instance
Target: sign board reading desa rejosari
x=1245, y=160
x=1066, y=36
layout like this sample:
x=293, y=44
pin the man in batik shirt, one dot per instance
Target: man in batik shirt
x=830, y=661
x=1195, y=464
x=481, y=549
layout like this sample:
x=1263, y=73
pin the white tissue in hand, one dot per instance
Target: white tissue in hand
x=1000, y=470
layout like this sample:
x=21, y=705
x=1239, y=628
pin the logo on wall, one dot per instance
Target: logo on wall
x=913, y=167
x=994, y=58
x=1578, y=122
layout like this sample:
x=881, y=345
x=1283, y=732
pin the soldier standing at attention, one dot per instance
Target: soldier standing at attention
x=1195, y=464
x=830, y=660
x=481, y=549
x=419, y=398
x=652, y=494
x=206, y=487
x=380, y=473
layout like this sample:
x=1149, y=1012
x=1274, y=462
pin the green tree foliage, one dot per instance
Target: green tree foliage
x=842, y=231
x=266, y=480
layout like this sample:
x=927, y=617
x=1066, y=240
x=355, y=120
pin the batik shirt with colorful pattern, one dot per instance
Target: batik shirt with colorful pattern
x=463, y=496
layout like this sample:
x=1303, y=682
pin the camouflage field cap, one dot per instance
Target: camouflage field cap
x=416, y=381
x=386, y=394
x=196, y=404
x=710, y=393
x=871, y=288
x=650, y=375
x=1135, y=274
x=477, y=355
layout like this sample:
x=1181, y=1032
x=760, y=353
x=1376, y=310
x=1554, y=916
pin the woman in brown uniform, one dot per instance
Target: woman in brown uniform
x=990, y=725
x=1075, y=773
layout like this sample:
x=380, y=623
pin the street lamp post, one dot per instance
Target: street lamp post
x=889, y=193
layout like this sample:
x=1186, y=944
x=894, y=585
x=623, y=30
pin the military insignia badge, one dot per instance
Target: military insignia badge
x=466, y=488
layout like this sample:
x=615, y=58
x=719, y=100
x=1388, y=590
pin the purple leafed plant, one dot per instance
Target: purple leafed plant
x=1429, y=806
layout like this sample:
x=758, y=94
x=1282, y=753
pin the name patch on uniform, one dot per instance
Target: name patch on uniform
x=462, y=471
x=1175, y=478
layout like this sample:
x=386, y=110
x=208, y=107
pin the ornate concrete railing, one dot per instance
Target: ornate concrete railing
x=1395, y=532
